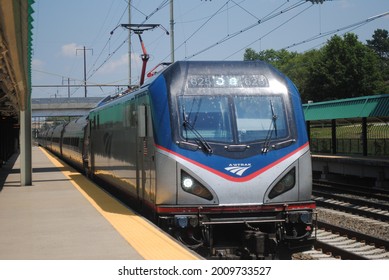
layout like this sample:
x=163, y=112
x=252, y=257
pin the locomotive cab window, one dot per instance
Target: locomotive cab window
x=259, y=117
x=236, y=119
x=207, y=117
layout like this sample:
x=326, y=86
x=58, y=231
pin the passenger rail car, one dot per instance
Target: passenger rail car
x=216, y=152
x=73, y=143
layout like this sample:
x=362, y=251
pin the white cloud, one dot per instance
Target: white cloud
x=38, y=73
x=120, y=64
x=37, y=63
x=114, y=65
x=70, y=49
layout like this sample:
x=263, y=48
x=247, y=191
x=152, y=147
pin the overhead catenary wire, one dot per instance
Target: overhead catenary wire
x=107, y=43
x=76, y=87
x=100, y=54
x=202, y=26
x=221, y=9
x=350, y=26
x=244, y=9
x=271, y=31
x=208, y=18
x=198, y=19
x=230, y=3
x=230, y=36
x=163, y=4
x=323, y=43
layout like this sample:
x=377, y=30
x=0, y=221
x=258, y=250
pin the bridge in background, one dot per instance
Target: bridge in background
x=59, y=107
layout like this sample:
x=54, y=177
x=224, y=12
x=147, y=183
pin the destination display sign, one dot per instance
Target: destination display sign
x=227, y=81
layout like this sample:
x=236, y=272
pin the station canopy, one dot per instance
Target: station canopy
x=371, y=107
x=15, y=56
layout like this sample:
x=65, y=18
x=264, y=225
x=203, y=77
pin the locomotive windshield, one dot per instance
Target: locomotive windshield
x=209, y=116
x=232, y=119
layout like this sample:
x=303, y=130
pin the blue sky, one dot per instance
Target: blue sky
x=204, y=30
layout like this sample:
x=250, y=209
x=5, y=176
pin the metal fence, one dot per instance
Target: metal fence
x=349, y=139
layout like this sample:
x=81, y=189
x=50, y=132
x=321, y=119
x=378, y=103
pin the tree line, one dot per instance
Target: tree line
x=343, y=68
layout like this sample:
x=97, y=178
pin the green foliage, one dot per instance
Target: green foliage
x=380, y=45
x=346, y=68
x=343, y=68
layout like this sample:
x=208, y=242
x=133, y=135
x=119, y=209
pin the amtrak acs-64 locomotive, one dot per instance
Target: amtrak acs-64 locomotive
x=217, y=153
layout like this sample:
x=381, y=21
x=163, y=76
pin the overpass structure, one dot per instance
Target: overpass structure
x=59, y=107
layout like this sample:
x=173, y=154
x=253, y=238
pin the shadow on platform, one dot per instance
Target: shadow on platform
x=6, y=169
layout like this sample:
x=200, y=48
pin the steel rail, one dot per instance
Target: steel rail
x=361, y=191
x=368, y=239
x=336, y=251
x=351, y=210
x=355, y=201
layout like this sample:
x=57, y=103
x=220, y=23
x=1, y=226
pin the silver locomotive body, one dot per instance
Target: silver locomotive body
x=214, y=152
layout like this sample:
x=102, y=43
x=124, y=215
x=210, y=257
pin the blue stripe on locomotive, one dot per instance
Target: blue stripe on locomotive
x=298, y=112
x=161, y=113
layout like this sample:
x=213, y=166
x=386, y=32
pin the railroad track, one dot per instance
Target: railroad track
x=344, y=205
x=354, y=199
x=359, y=236
x=333, y=244
x=314, y=254
x=361, y=191
x=358, y=200
x=353, y=221
x=347, y=248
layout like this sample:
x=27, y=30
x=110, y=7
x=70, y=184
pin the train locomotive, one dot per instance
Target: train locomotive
x=216, y=153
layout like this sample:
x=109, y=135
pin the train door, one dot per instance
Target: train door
x=91, y=152
x=60, y=143
x=85, y=152
x=145, y=155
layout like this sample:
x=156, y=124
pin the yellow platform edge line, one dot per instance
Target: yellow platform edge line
x=150, y=242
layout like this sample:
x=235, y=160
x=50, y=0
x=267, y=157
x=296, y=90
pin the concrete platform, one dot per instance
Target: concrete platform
x=345, y=165
x=59, y=218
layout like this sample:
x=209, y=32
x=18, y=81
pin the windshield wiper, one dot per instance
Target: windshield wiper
x=283, y=144
x=273, y=127
x=199, y=138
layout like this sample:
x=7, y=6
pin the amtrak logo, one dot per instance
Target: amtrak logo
x=238, y=168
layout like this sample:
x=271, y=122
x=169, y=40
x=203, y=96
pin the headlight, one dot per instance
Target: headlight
x=187, y=183
x=286, y=183
x=191, y=185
